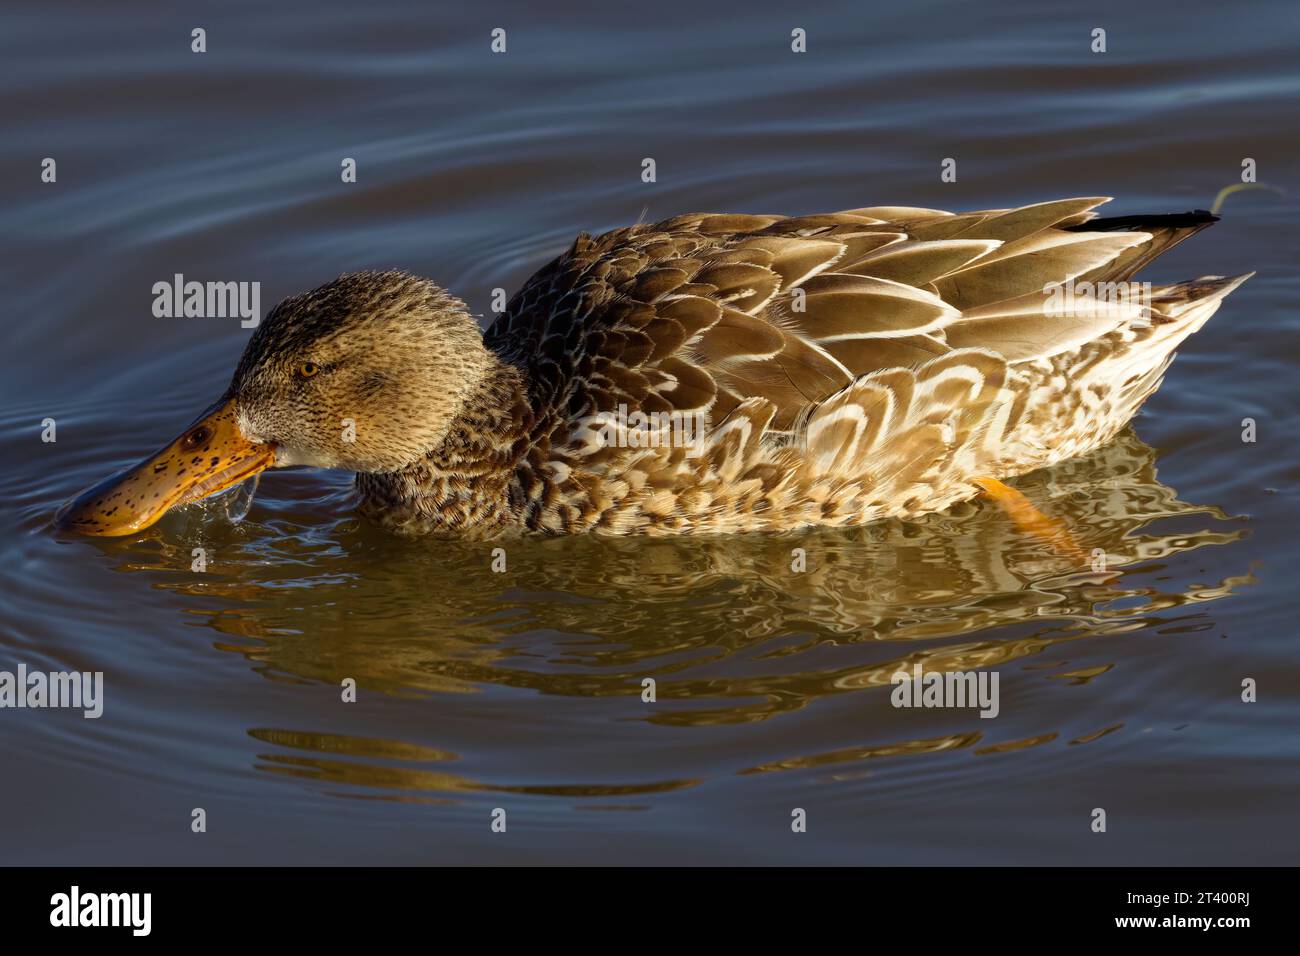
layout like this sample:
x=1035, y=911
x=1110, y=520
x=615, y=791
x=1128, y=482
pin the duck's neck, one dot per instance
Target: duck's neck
x=462, y=485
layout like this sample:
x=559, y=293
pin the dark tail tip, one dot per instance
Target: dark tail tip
x=1196, y=219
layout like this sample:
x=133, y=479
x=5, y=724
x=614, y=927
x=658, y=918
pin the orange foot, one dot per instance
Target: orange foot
x=1030, y=520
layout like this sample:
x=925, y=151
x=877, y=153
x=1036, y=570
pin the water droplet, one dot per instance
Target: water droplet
x=239, y=499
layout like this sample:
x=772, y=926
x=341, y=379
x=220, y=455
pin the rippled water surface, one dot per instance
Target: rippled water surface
x=522, y=690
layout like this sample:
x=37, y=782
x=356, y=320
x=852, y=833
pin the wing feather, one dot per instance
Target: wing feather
x=877, y=334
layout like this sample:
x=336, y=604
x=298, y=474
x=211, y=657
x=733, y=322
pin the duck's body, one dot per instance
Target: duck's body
x=922, y=359
x=823, y=370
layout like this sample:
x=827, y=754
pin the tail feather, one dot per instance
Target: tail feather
x=1176, y=300
x=1166, y=230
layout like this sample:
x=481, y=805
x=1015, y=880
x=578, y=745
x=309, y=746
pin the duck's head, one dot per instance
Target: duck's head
x=366, y=373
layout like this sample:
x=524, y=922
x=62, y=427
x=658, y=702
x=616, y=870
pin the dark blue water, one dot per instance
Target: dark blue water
x=522, y=690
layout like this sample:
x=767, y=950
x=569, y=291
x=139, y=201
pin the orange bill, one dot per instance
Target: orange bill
x=209, y=456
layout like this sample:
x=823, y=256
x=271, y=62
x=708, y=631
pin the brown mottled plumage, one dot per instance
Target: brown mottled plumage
x=846, y=367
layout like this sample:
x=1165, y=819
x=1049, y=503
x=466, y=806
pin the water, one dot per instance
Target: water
x=522, y=690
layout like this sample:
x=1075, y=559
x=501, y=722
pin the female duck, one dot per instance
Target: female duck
x=846, y=367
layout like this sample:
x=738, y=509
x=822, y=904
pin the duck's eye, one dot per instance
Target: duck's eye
x=308, y=369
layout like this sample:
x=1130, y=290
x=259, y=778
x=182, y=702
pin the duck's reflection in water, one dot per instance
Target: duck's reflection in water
x=728, y=628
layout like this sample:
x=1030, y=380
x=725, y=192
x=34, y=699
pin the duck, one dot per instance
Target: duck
x=711, y=373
